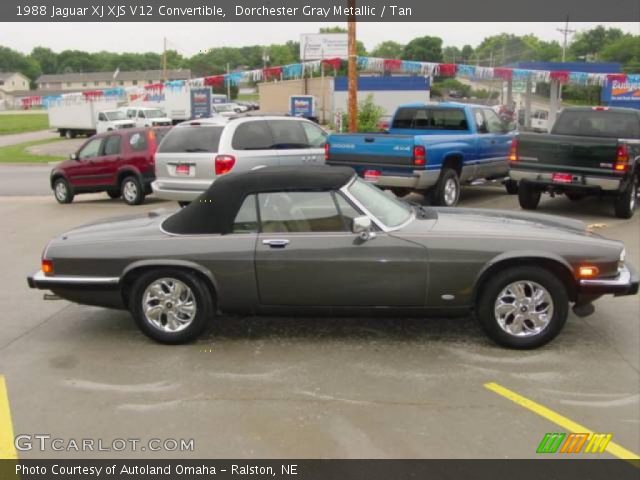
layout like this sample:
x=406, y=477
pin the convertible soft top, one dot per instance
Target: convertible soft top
x=215, y=210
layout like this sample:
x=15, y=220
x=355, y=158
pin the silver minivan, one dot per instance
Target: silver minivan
x=195, y=152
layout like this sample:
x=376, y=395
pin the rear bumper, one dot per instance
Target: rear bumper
x=581, y=182
x=42, y=282
x=177, y=192
x=626, y=283
x=420, y=180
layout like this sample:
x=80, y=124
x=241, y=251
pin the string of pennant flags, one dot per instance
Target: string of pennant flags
x=365, y=64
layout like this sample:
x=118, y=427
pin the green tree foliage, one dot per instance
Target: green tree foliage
x=388, y=49
x=466, y=54
x=424, y=49
x=368, y=115
x=587, y=45
x=625, y=50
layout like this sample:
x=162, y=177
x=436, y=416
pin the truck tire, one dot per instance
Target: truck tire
x=69, y=134
x=447, y=191
x=132, y=190
x=528, y=196
x=62, y=191
x=62, y=132
x=523, y=307
x=511, y=186
x=626, y=201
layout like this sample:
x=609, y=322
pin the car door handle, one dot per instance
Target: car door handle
x=276, y=243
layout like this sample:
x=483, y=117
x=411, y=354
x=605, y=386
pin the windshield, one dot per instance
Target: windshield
x=388, y=210
x=154, y=113
x=597, y=123
x=115, y=115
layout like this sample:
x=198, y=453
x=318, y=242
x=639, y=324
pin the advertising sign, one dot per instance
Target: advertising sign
x=302, y=106
x=200, y=103
x=316, y=46
x=624, y=91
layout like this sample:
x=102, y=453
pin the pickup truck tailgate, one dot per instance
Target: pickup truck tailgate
x=375, y=149
x=567, y=153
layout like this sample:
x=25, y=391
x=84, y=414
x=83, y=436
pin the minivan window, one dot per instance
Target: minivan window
x=316, y=137
x=288, y=134
x=252, y=136
x=418, y=118
x=192, y=139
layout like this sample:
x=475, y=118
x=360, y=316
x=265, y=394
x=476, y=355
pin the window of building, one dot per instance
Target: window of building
x=135, y=82
x=97, y=84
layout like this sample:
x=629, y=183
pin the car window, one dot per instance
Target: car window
x=494, y=125
x=479, y=120
x=316, y=137
x=91, y=149
x=252, y=136
x=288, y=134
x=417, y=118
x=131, y=113
x=140, y=113
x=192, y=139
x=347, y=211
x=390, y=211
x=102, y=117
x=137, y=142
x=112, y=145
x=246, y=220
x=597, y=123
x=282, y=212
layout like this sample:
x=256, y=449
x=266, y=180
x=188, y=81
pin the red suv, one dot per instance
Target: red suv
x=120, y=163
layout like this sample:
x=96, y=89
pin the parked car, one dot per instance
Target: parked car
x=120, y=163
x=227, y=109
x=318, y=239
x=80, y=117
x=148, y=116
x=590, y=151
x=431, y=149
x=195, y=153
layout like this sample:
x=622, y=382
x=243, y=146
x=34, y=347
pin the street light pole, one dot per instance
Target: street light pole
x=352, y=70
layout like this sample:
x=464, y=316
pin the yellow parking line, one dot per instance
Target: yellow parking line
x=573, y=427
x=7, y=448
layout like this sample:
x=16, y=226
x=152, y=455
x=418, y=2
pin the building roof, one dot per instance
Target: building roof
x=5, y=75
x=215, y=210
x=109, y=76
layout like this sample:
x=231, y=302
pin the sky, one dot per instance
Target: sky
x=190, y=38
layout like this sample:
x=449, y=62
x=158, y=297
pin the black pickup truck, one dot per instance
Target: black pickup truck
x=590, y=151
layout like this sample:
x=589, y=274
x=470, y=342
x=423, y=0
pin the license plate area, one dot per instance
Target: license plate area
x=562, y=178
x=371, y=175
x=183, y=170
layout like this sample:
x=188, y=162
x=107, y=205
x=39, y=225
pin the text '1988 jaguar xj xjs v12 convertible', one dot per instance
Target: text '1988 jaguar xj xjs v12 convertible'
x=306, y=241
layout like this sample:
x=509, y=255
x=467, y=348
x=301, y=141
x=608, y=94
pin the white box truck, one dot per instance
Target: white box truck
x=81, y=117
x=176, y=104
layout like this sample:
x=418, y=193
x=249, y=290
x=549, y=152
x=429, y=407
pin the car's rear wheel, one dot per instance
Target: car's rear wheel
x=62, y=191
x=447, y=191
x=114, y=194
x=626, y=201
x=132, y=191
x=171, y=306
x=523, y=307
x=511, y=186
x=528, y=196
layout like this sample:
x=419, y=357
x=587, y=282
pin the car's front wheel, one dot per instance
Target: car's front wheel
x=171, y=306
x=511, y=186
x=132, y=191
x=528, y=196
x=523, y=307
x=62, y=191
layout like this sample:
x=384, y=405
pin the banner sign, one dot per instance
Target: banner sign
x=200, y=103
x=302, y=106
x=318, y=46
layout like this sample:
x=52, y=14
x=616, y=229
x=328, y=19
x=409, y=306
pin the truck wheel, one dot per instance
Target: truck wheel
x=626, y=201
x=62, y=191
x=523, y=307
x=132, y=191
x=171, y=306
x=447, y=191
x=62, y=133
x=528, y=196
x=511, y=186
x=69, y=134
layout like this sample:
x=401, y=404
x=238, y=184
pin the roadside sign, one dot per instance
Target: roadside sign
x=200, y=103
x=302, y=106
x=317, y=46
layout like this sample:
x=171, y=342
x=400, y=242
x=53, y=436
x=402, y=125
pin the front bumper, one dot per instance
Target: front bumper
x=626, y=283
x=42, y=282
x=581, y=182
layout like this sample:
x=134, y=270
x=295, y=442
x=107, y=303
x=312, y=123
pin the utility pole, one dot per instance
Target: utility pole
x=566, y=32
x=352, y=71
x=164, y=61
x=228, y=85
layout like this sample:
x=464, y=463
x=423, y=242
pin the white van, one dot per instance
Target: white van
x=148, y=117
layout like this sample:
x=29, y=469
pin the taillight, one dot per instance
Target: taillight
x=47, y=267
x=224, y=164
x=326, y=152
x=513, y=150
x=419, y=155
x=622, y=159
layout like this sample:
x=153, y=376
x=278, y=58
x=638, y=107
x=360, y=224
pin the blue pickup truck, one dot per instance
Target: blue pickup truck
x=431, y=149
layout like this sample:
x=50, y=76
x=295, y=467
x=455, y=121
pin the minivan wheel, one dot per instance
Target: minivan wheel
x=62, y=191
x=132, y=191
x=523, y=307
x=171, y=306
x=447, y=191
x=528, y=196
x=626, y=202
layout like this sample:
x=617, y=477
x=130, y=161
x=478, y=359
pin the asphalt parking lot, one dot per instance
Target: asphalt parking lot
x=305, y=388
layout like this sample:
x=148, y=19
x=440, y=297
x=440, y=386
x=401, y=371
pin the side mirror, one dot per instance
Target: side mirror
x=362, y=227
x=73, y=156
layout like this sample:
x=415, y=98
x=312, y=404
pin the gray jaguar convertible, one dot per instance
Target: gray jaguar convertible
x=321, y=240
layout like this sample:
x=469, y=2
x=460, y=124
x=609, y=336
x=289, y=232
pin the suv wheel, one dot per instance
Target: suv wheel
x=523, y=307
x=447, y=191
x=132, y=191
x=528, y=196
x=63, y=191
x=171, y=306
x=626, y=201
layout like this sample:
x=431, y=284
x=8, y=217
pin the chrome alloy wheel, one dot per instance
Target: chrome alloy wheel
x=61, y=191
x=523, y=308
x=130, y=191
x=169, y=305
x=450, y=192
x=634, y=195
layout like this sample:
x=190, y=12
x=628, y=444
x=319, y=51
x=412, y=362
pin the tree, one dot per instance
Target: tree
x=466, y=54
x=591, y=42
x=424, y=49
x=388, y=49
x=46, y=58
x=625, y=50
x=452, y=55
